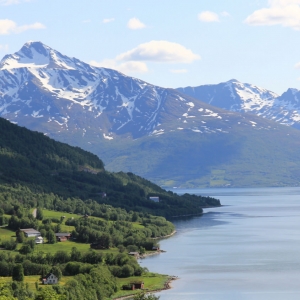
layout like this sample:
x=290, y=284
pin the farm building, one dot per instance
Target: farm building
x=50, y=278
x=30, y=232
x=62, y=236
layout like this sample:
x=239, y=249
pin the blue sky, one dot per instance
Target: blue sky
x=167, y=43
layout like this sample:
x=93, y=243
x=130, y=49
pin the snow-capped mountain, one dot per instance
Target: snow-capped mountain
x=243, y=97
x=45, y=90
x=161, y=134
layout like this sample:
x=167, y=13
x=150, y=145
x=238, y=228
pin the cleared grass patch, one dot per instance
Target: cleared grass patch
x=31, y=280
x=152, y=282
x=6, y=234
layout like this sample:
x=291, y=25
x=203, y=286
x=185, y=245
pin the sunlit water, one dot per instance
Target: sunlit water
x=247, y=249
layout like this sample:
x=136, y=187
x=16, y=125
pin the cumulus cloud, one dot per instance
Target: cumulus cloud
x=135, y=23
x=108, y=20
x=280, y=12
x=9, y=27
x=225, y=14
x=159, y=51
x=208, y=16
x=126, y=67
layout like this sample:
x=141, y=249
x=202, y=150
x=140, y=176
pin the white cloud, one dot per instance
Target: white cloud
x=135, y=23
x=180, y=71
x=86, y=21
x=208, y=16
x=127, y=67
x=108, y=20
x=9, y=27
x=279, y=12
x=159, y=51
x=225, y=14
x=297, y=66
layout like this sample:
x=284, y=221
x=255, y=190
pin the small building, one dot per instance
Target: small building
x=155, y=248
x=30, y=232
x=39, y=240
x=50, y=278
x=135, y=254
x=136, y=285
x=62, y=236
x=99, y=245
x=155, y=199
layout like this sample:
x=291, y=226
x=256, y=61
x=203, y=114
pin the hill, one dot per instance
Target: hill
x=32, y=165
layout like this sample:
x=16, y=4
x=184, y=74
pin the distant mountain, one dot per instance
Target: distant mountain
x=160, y=134
x=243, y=97
x=44, y=90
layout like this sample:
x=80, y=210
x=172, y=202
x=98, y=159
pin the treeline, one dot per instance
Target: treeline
x=69, y=264
x=98, y=284
x=32, y=164
x=121, y=233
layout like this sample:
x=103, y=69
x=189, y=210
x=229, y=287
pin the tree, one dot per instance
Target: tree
x=39, y=213
x=25, y=249
x=57, y=272
x=20, y=236
x=18, y=273
x=51, y=237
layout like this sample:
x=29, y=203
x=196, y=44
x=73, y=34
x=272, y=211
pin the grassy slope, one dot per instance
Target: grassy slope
x=152, y=281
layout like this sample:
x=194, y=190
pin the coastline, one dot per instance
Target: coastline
x=164, y=236
x=167, y=286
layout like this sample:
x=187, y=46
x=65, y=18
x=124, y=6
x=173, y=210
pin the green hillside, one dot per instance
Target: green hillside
x=32, y=166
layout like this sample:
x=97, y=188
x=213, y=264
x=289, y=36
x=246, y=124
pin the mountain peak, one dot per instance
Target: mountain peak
x=35, y=54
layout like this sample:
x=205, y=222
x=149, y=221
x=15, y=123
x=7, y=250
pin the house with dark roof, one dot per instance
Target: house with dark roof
x=50, y=278
x=62, y=236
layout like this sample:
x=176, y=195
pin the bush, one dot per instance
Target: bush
x=18, y=273
x=10, y=245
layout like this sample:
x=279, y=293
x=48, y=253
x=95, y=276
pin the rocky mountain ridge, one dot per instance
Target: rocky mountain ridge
x=243, y=97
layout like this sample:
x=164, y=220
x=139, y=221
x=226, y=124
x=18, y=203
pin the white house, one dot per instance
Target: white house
x=30, y=232
x=50, y=279
x=39, y=240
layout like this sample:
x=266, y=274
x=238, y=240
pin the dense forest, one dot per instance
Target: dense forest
x=36, y=170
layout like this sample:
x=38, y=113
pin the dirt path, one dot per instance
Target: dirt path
x=34, y=213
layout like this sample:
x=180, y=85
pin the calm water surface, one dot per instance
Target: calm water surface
x=247, y=249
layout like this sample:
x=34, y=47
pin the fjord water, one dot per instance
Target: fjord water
x=247, y=249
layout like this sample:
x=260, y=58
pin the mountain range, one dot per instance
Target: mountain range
x=243, y=97
x=214, y=135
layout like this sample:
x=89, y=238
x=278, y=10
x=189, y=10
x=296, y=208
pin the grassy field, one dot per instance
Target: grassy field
x=31, y=280
x=152, y=282
x=6, y=234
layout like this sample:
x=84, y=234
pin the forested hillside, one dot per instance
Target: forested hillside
x=37, y=170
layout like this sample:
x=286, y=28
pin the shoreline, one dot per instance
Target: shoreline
x=164, y=236
x=167, y=286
